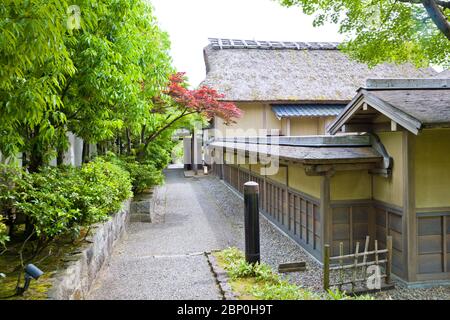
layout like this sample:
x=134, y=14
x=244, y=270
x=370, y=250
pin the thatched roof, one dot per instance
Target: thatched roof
x=293, y=71
x=443, y=75
x=425, y=104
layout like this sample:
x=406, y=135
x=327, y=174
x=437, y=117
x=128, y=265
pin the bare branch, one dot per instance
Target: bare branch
x=438, y=17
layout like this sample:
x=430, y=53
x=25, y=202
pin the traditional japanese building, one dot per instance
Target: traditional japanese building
x=382, y=169
x=289, y=88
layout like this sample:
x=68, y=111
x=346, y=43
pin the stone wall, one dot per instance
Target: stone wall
x=75, y=281
x=149, y=207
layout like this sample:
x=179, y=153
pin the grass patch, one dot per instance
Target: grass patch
x=260, y=282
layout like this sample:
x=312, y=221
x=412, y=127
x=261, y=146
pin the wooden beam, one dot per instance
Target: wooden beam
x=264, y=119
x=325, y=210
x=393, y=125
x=409, y=218
x=292, y=267
x=315, y=170
x=288, y=126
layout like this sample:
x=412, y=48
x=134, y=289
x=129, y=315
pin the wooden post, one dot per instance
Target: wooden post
x=251, y=222
x=325, y=210
x=366, y=248
x=326, y=267
x=355, y=269
x=388, y=259
x=341, y=264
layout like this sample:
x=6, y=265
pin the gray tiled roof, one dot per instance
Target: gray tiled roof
x=218, y=44
x=305, y=155
x=307, y=110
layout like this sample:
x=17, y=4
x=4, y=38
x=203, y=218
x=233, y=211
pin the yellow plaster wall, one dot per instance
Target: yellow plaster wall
x=284, y=126
x=230, y=157
x=390, y=190
x=298, y=180
x=323, y=123
x=272, y=120
x=245, y=165
x=305, y=126
x=256, y=168
x=280, y=176
x=432, y=168
x=351, y=185
x=252, y=119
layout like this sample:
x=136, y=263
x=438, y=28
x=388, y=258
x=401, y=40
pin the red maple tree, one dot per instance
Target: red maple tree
x=204, y=100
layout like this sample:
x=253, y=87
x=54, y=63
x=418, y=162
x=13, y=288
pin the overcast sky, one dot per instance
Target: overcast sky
x=191, y=22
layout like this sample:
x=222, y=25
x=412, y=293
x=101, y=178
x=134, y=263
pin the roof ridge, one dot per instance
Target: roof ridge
x=222, y=43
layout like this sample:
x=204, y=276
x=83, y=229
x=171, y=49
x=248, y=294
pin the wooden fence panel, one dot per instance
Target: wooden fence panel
x=299, y=218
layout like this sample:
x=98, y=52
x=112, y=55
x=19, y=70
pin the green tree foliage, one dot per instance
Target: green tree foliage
x=34, y=63
x=387, y=30
x=87, y=80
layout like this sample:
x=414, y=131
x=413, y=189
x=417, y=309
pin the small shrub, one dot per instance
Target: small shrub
x=144, y=175
x=231, y=255
x=281, y=290
x=61, y=200
x=241, y=269
x=268, y=284
x=44, y=198
x=106, y=186
x=237, y=267
x=3, y=234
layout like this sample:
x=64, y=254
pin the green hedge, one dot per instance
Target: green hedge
x=3, y=234
x=61, y=200
x=144, y=174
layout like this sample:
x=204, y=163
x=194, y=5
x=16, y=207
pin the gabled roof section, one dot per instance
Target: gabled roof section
x=307, y=72
x=411, y=103
x=307, y=110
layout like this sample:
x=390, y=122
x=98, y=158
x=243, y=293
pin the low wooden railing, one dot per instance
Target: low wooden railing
x=356, y=265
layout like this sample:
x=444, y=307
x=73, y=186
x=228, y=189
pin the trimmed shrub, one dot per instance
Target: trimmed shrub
x=3, y=234
x=61, y=200
x=144, y=175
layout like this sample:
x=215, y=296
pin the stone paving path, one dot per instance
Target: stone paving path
x=167, y=260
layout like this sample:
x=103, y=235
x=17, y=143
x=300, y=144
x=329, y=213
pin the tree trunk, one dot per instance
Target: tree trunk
x=36, y=161
x=24, y=159
x=60, y=157
x=100, y=150
x=36, y=156
x=85, y=152
x=438, y=17
x=142, y=134
x=119, y=146
x=128, y=141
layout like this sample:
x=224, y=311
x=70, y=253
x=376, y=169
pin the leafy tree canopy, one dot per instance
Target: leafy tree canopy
x=387, y=30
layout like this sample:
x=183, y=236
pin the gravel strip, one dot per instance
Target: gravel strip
x=278, y=248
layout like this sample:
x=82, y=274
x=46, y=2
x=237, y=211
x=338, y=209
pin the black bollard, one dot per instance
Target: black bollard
x=251, y=219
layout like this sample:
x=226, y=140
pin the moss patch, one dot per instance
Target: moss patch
x=260, y=282
x=52, y=259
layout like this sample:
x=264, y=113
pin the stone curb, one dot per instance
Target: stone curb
x=221, y=277
x=82, y=267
